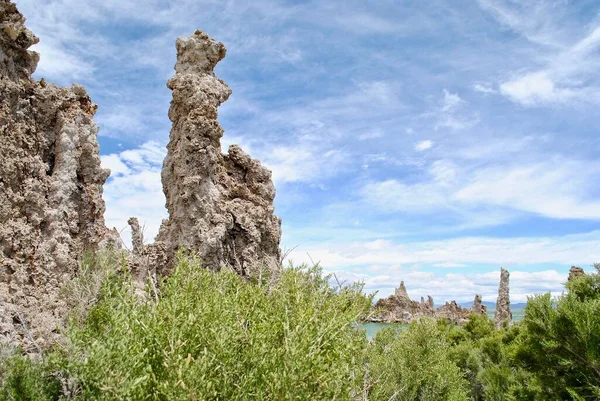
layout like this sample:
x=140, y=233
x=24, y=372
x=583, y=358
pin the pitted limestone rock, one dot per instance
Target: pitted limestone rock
x=220, y=206
x=478, y=307
x=51, y=206
x=503, y=315
x=399, y=308
x=575, y=272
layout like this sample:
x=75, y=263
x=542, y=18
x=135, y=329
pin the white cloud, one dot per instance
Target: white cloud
x=444, y=172
x=423, y=145
x=134, y=189
x=228, y=140
x=115, y=164
x=395, y=196
x=483, y=88
x=124, y=118
x=57, y=63
x=568, y=72
x=535, y=88
x=378, y=244
x=382, y=263
x=560, y=189
x=303, y=163
x=451, y=114
x=449, y=265
x=535, y=20
x=451, y=101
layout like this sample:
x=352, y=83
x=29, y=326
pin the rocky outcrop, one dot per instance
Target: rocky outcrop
x=503, y=315
x=575, y=272
x=146, y=262
x=478, y=307
x=51, y=206
x=220, y=206
x=399, y=308
x=453, y=312
x=401, y=293
x=137, y=237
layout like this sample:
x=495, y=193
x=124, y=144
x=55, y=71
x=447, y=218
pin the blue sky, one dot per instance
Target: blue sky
x=430, y=142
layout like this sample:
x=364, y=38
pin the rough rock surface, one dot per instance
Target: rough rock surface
x=575, y=272
x=137, y=238
x=503, y=315
x=399, y=308
x=145, y=261
x=478, y=307
x=220, y=206
x=453, y=312
x=51, y=206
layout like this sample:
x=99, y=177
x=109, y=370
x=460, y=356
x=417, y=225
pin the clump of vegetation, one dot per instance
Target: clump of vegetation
x=414, y=364
x=560, y=341
x=217, y=336
x=553, y=354
x=210, y=336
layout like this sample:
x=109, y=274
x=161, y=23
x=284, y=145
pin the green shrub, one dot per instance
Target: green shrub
x=216, y=336
x=24, y=379
x=414, y=364
x=560, y=343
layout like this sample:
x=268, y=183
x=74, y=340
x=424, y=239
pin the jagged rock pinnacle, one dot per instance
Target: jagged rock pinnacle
x=220, y=206
x=575, y=272
x=503, y=315
x=478, y=307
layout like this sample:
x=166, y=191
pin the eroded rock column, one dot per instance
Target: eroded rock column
x=478, y=307
x=220, y=206
x=575, y=272
x=503, y=315
x=51, y=206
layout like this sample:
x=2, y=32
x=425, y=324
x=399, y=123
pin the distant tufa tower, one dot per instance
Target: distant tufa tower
x=503, y=314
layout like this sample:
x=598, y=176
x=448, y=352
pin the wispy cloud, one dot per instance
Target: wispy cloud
x=451, y=113
x=301, y=163
x=556, y=189
x=134, y=189
x=568, y=71
x=383, y=263
x=455, y=286
x=423, y=145
x=484, y=88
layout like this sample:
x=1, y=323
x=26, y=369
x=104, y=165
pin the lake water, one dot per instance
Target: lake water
x=373, y=328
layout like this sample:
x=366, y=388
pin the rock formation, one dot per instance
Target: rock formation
x=478, y=307
x=51, y=206
x=399, y=308
x=503, y=315
x=137, y=238
x=145, y=261
x=401, y=292
x=453, y=312
x=220, y=206
x=575, y=272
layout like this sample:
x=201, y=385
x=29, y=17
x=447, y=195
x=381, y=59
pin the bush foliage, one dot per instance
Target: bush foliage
x=414, y=364
x=217, y=336
x=210, y=336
